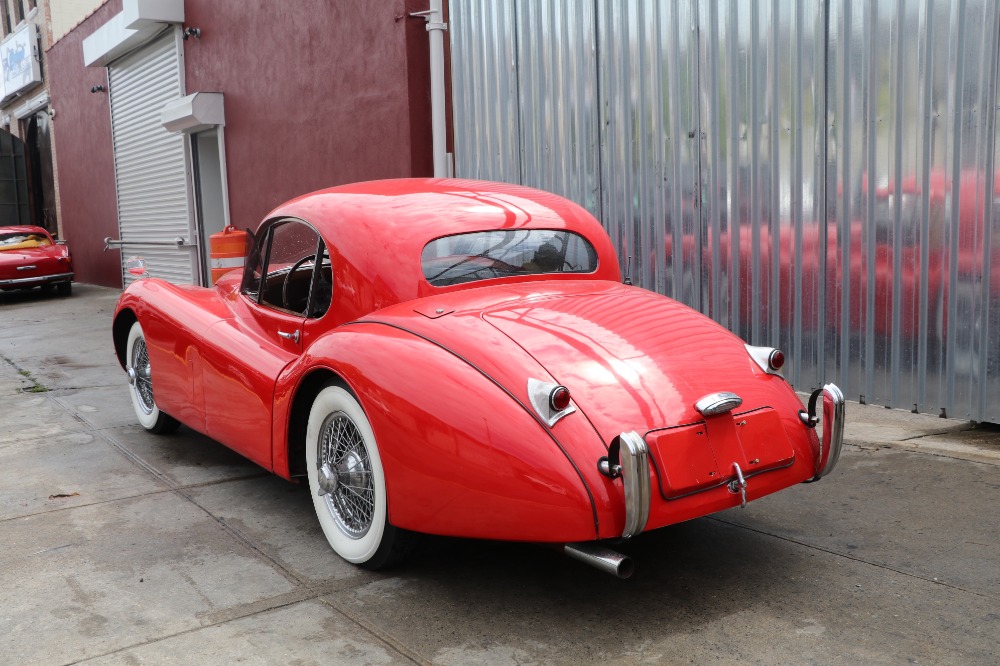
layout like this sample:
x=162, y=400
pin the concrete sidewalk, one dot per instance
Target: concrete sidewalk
x=122, y=547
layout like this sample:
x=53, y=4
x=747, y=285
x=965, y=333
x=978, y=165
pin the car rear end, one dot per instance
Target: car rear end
x=29, y=257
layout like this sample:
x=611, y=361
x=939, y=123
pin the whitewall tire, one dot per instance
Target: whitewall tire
x=141, y=385
x=347, y=482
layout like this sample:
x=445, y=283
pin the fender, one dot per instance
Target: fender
x=483, y=467
x=174, y=320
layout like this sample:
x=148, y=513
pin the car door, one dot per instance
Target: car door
x=248, y=351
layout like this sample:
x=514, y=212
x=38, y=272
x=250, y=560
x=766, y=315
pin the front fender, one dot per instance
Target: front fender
x=174, y=319
x=462, y=456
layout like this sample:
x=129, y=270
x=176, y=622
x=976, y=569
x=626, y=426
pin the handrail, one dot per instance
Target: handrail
x=177, y=242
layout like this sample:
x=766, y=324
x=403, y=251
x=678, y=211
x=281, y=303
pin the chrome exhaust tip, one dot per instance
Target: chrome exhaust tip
x=602, y=558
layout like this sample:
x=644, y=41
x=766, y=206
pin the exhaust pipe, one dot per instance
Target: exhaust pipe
x=600, y=557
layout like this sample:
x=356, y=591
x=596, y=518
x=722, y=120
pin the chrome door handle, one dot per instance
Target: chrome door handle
x=293, y=336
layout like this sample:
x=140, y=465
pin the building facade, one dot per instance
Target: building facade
x=175, y=119
x=27, y=181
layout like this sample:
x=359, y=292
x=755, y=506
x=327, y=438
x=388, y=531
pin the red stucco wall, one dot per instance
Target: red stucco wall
x=317, y=93
x=81, y=132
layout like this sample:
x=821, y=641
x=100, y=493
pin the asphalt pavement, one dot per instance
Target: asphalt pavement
x=121, y=547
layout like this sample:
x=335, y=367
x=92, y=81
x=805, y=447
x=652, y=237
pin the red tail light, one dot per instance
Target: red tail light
x=559, y=398
x=776, y=360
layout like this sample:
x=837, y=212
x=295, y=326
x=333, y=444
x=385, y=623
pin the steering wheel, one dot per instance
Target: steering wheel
x=288, y=278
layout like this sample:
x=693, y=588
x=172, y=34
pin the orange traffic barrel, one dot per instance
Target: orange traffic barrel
x=226, y=250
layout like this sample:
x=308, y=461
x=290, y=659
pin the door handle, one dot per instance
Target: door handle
x=293, y=336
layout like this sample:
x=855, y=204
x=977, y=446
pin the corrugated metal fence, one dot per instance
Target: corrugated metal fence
x=813, y=175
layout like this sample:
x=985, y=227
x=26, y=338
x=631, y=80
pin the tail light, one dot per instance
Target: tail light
x=769, y=359
x=551, y=401
x=559, y=398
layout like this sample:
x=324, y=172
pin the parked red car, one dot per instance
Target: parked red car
x=30, y=257
x=461, y=358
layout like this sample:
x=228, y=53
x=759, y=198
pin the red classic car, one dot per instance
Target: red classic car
x=462, y=358
x=29, y=257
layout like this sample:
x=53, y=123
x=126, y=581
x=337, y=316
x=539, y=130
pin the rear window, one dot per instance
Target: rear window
x=22, y=241
x=484, y=255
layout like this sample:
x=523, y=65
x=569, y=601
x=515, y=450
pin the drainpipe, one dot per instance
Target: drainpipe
x=436, y=28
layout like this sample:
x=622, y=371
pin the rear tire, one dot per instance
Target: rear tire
x=64, y=288
x=141, y=385
x=351, y=502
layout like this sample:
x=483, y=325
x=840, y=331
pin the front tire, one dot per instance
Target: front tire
x=347, y=482
x=141, y=385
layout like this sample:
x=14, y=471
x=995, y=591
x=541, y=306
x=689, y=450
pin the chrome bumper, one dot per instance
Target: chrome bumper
x=832, y=440
x=38, y=279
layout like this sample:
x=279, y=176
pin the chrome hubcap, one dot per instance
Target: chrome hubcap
x=345, y=475
x=328, y=481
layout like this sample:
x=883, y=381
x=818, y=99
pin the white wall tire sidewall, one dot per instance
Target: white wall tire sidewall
x=357, y=551
x=148, y=421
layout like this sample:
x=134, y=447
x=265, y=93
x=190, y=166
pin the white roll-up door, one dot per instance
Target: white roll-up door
x=150, y=162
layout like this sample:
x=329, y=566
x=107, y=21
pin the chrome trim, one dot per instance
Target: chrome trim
x=327, y=480
x=634, y=459
x=762, y=357
x=293, y=336
x=718, y=403
x=834, y=411
x=60, y=277
x=605, y=467
x=739, y=485
x=598, y=556
x=538, y=395
x=29, y=267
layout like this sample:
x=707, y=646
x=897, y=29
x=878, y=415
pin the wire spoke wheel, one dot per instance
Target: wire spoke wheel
x=348, y=483
x=140, y=380
x=142, y=385
x=343, y=451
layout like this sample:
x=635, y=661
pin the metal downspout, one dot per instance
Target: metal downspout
x=436, y=28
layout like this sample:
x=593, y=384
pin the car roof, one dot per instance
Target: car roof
x=23, y=229
x=427, y=208
x=378, y=229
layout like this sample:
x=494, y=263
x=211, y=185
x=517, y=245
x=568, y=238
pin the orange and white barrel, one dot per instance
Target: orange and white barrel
x=226, y=250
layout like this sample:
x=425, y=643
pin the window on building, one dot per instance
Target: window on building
x=18, y=10
x=5, y=18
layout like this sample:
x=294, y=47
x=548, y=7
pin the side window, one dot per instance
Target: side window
x=290, y=270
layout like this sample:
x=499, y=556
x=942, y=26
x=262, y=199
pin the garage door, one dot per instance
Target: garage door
x=153, y=196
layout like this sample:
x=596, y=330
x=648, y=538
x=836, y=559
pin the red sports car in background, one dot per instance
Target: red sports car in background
x=462, y=358
x=30, y=257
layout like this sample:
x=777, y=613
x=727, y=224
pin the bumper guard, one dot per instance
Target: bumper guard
x=832, y=440
x=628, y=458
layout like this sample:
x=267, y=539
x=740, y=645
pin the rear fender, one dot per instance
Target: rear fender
x=461, y=456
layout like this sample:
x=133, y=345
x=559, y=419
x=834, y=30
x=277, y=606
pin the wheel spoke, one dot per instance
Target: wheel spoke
x=143, y=386
x=343, y=448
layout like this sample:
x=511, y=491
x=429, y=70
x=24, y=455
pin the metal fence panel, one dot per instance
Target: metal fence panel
x=484, y=70
x=913, y=101
x=558, y=99
x=819, y=176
